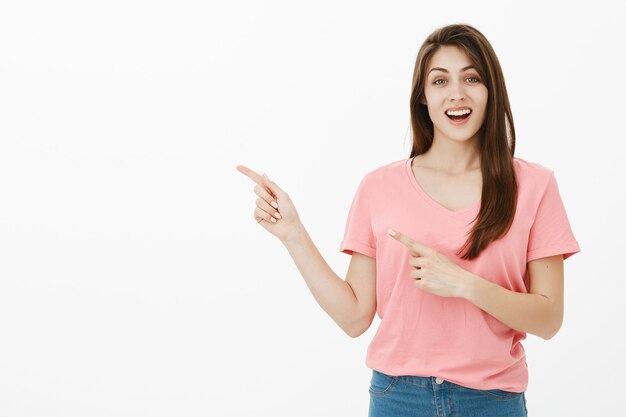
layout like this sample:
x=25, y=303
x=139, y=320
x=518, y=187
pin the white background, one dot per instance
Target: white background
x=134, y=280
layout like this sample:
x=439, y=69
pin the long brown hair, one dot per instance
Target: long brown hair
x=496, y=135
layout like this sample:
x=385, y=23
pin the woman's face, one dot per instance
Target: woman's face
x=457, y=87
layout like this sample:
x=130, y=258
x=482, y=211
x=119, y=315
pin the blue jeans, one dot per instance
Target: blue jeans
x=415, y=396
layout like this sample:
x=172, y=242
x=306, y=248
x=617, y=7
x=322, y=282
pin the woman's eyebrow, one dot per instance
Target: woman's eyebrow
x=445, y=70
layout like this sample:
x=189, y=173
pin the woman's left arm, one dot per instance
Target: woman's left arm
x=539, y=312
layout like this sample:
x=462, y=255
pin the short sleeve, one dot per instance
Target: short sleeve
x=551, y=233
x=358, y=235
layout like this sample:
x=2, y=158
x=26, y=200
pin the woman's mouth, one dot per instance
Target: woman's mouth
x=459, y=120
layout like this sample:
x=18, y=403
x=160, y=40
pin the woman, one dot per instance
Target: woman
x=459, y=249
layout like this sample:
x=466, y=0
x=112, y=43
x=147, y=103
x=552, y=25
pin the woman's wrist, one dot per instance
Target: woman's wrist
x=295, y=236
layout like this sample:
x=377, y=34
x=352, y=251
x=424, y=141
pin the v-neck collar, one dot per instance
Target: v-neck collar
x=460, y=213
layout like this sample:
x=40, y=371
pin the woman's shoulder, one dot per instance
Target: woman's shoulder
x=530, y=170
x=389, y=166
x=532, y=178
x=383, y=176
x=387, y=172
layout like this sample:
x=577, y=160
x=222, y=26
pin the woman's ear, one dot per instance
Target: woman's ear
x=423, y=101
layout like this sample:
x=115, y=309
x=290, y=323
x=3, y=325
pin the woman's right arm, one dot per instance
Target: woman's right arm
x=350, y=303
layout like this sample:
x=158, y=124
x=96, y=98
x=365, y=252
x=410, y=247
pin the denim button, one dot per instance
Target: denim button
x=439, y=380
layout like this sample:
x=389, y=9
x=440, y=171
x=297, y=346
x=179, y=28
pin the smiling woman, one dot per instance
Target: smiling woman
x=481, y=238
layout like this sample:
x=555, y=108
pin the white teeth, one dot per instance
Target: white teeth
x=458, y=112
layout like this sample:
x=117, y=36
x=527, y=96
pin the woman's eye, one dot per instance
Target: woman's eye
x=473, y=78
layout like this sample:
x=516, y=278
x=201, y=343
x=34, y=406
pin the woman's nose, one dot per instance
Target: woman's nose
x=457, y=90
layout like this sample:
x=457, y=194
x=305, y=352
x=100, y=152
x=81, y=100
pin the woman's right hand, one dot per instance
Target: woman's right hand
x=285, y=227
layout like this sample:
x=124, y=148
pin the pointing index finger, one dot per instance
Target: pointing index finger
x=256, y=178
x=405, y=240
x=408, y=242
x=250, y=174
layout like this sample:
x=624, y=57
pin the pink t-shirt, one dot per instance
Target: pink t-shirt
x=423, y=334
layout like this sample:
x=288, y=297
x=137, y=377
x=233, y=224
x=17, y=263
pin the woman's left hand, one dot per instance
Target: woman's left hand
x=433, y=271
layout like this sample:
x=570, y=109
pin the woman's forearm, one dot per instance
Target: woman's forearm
x=332, y=293
x=524, y=312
